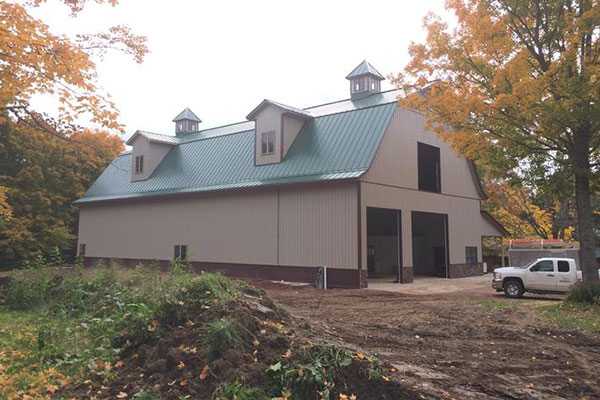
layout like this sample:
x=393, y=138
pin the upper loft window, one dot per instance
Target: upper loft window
x=267, y=143
x=429, y=168
x=139, y=164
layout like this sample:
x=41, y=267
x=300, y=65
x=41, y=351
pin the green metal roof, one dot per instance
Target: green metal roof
x=336, y=145
x=364, y=68
x=187, y=114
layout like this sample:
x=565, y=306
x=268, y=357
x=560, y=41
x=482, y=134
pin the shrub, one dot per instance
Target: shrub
x=28, y=291
x=222, y=336
x=584, y=292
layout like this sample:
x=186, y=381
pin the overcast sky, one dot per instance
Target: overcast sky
x=221, y=58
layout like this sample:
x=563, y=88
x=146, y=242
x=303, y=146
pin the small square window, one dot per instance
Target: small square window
x=139, y=164
x=267, y=143
x=358, y=85
x=180, y=252
x=471, y=256
x=81, y=252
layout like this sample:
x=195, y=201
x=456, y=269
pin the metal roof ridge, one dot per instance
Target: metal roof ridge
x=349, y=98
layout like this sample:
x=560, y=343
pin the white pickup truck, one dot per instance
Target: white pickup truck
x=543, y=275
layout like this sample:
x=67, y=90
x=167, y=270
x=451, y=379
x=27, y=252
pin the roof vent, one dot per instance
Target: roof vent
x=364, y=80
x=186, y=122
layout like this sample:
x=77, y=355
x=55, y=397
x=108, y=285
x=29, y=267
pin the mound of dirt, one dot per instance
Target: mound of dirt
x=180, y=364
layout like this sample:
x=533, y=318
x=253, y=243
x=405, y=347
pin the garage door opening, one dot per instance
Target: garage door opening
x=383, y=242
x=430, y=244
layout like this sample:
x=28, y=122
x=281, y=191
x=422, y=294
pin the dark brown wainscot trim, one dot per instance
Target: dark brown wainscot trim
x=336, y=277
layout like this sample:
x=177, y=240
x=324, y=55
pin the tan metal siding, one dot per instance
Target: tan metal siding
x=319, y=226
x=231, y=228
x=291, y=128
x=395, y=162
x=269, y=119
x=153, y=154
x=465, y=223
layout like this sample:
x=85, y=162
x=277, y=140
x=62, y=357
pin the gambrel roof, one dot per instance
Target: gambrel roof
x=338, y=141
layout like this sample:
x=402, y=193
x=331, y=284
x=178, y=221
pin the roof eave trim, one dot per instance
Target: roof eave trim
x=478, y=185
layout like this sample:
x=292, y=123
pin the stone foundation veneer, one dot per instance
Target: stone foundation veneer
x=464, y=270
x=408, y=275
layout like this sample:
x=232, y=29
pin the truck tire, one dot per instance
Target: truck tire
x=513, y=289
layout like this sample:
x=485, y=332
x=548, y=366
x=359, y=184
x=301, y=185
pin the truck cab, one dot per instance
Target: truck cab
x=543, y=275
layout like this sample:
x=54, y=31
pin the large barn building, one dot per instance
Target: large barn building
x=358, y=185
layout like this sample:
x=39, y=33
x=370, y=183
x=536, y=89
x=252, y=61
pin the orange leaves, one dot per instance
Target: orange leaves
x=203, y=373
x=35, y=61
x=122, y=395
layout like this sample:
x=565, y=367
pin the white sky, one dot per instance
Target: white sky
x=221, y=58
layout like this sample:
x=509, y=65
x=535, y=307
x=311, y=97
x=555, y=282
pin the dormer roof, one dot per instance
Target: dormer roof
x=364, y=68
x=288, y=109
x=187, y=115
x=153, y=137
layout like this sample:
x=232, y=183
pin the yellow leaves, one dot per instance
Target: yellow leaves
x=346, y=397
x=122, y=395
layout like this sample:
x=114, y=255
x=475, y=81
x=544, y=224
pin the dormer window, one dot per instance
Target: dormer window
x=267, y=141
x=139, y=164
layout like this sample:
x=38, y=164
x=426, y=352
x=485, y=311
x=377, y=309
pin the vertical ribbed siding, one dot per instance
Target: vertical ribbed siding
x=396, y=160
x=225, y=227
x=466, y=226
x=318, y=226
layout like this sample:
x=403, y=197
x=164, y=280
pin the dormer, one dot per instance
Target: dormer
x=186, y=122
x=149, y=149
x=276, y=127
x=364, y=80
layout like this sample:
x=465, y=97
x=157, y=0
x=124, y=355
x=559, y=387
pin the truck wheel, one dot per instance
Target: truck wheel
x=513, y=289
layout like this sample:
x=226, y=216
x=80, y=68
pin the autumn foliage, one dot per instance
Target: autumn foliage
x=517, y=84
x=41, y=176
x=36, y=61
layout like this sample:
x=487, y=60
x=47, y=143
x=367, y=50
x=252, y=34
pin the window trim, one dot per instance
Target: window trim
x=469, y=257
x=139, y=164
x=177, y=253
x=265, y=149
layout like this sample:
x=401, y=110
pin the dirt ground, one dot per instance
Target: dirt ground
x=466, y=342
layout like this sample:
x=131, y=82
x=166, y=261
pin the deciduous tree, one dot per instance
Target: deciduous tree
x=37, y=61
x=518, y=84
x=42, y=175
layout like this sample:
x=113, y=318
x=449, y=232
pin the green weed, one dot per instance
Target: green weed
x=236, y=391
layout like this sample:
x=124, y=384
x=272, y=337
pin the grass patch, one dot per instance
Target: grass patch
x=573, y=315
x=496, y=304
x=56, y=329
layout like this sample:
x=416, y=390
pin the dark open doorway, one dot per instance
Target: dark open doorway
x=384, y=244
x=430, y=244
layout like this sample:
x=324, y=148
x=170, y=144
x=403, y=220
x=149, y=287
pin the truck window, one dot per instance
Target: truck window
x=563, y=266
x=543, y=266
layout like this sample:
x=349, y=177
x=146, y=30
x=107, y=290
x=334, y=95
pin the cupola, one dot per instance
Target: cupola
x=186, y=122
x=364, y=80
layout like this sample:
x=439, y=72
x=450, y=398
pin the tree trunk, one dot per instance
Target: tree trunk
x=585, y=225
